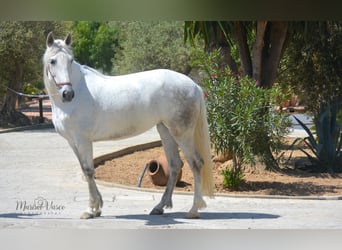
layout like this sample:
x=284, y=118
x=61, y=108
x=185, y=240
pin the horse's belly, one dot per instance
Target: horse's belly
x=117, y=129
x=119, y=134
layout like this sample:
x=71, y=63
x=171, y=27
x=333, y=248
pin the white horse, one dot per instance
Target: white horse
x=88, y=106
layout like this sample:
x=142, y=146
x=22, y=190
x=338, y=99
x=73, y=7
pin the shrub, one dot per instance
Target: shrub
x=232, y=178
x=241, y=116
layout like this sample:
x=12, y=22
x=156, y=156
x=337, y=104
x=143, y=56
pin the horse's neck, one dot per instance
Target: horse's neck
x=77, y=74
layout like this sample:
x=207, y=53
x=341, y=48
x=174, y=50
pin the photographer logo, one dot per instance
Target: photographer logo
x=39, y=205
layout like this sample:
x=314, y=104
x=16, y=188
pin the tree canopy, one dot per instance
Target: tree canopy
x=95, y=44
x=21, y=47
x=151, y=45
x=259, y=45
x=312, y=63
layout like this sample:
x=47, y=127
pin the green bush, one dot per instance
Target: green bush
x=232, y=178
x=242, y=118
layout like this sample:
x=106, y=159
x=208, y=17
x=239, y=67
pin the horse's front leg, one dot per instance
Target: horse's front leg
x=84, y=152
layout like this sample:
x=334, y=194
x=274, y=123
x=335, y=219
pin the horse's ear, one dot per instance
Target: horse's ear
x=68, y=40
x=50, y=39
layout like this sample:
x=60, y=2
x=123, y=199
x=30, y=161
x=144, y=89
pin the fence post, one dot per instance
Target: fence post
x=41, y=117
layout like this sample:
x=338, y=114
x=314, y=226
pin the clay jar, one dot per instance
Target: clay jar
x=158, y=171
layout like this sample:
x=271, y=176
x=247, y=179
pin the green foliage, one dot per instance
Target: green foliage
x=95, y=44
x=151, y=45
x=312, y=62
x=232, y=178
x=30, y=89
x=326, y=147
x=241, y=116
x=22, y=45
x=251, y=48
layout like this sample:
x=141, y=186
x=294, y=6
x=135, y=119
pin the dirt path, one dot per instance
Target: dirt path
x=293, y=182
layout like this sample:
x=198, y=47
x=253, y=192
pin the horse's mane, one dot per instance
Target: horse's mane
x=98, y=73
x=93, y=70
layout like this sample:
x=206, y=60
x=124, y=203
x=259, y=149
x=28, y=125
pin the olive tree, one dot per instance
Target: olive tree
x=22, y=45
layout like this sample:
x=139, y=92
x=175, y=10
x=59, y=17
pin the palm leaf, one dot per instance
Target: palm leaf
x=338, y=149
x=307, y=130
x=316, y=150
x=291, y=148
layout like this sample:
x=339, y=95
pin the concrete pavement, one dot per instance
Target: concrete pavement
x=41, y=186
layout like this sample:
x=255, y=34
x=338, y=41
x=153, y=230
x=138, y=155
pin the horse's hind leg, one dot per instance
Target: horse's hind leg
x=195, y=161
x=84, y=152
x=175, y=163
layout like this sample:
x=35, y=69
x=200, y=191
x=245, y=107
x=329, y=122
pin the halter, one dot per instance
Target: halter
x=58, y=84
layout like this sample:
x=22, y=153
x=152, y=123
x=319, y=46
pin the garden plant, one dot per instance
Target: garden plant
x=242, y=119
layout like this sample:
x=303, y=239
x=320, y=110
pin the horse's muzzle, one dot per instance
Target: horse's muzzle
x=67, y=94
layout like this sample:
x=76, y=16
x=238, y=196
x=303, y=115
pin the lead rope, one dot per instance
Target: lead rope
x=27, y=95
x=36, y=96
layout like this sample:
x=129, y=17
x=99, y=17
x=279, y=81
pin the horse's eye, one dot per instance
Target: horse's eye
x=53, y=61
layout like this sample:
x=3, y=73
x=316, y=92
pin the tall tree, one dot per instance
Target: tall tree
x=260, y=45
x=150, y=45
x=95, y=44
x=312, y=62
x=249, y=49
x=21, y=47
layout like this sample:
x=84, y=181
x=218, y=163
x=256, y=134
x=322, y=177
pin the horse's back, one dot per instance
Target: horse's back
x=166, y=83
x=178, y=100
x=130, y=104
x=158, y=78
x=169, y=89
x=153, y=87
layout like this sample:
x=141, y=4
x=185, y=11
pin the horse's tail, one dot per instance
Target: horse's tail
x=202, y=142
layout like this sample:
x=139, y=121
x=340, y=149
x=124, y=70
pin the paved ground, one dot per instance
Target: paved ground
x=41, y=187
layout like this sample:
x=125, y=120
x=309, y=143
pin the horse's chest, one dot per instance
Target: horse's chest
x=63, y=122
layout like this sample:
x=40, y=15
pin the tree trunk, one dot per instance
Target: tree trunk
x=257, y=51
x=219, y=41
x=272, y=52
x=15, y=84
x=9, y=117
x=227, y=57
x=244, y=53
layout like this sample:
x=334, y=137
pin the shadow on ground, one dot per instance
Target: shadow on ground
x=180, y=217
x=32, y=216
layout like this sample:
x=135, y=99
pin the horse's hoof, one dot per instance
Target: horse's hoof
x=157, y=211
x=87, y=215
x=193, y=215
x=98, y=213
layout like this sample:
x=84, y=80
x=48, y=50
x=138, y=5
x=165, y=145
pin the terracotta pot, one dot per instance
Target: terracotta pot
x=159, y=172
